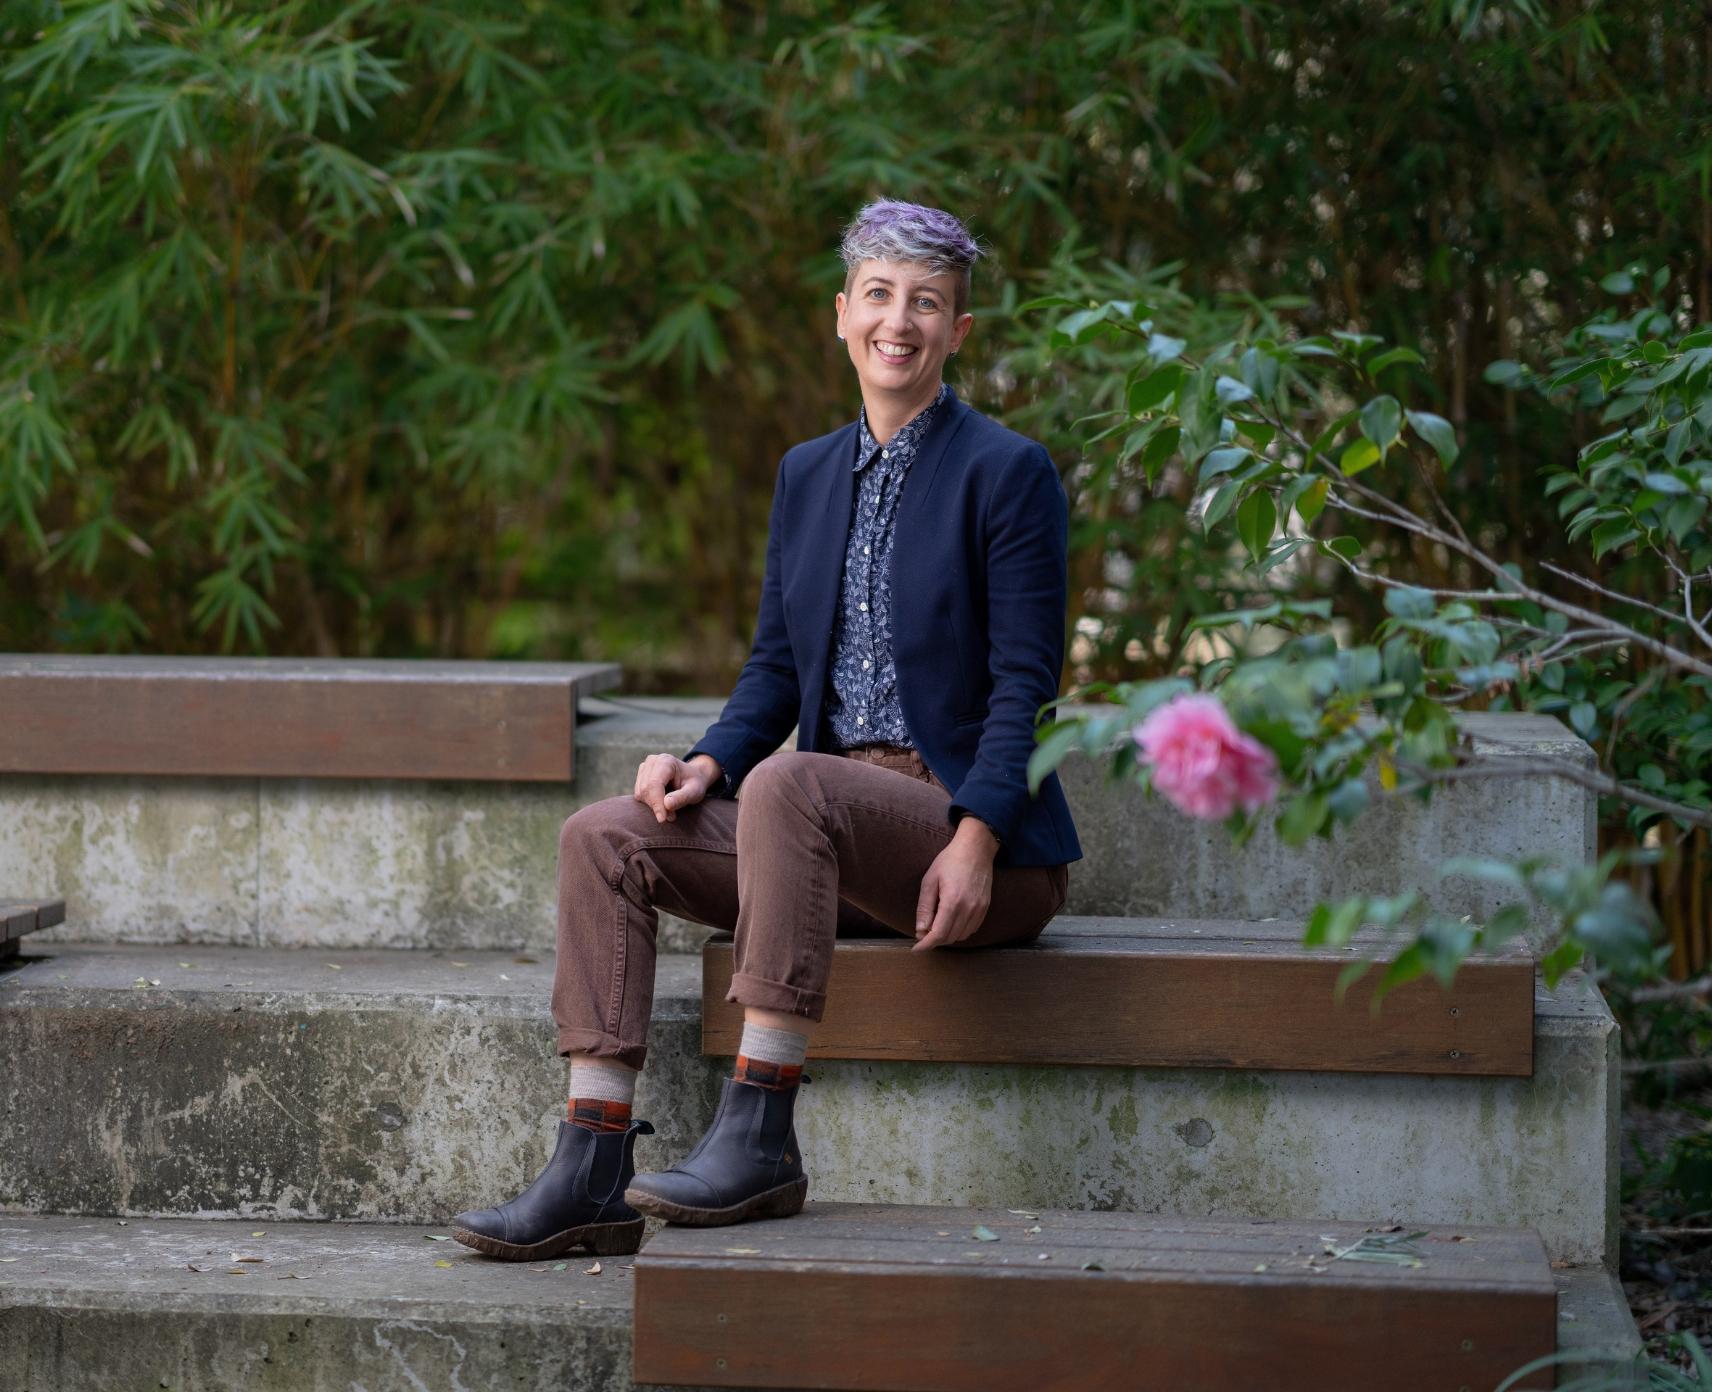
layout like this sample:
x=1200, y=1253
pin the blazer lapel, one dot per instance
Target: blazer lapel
x=831, y=489
x=916, y=510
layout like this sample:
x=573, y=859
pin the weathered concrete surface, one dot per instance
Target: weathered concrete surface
x=405, y=1087
x=286, y=863
x=319, y=1085
x=87, y=1304
x=331, y=1307
x=1503, y=1151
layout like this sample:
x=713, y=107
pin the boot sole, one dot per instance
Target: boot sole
x=771, y=1203
x=601, y=1239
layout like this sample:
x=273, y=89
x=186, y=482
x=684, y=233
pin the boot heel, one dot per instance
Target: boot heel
x=785, y=1202
x=616, y=1239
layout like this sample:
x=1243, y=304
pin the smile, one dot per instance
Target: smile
x=896, y=352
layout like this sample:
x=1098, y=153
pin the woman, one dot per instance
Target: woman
x=911, y=625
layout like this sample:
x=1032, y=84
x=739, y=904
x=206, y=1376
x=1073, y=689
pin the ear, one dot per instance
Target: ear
x=839, y=303
x=960, y=330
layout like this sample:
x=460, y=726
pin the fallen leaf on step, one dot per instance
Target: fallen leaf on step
x=260, y=1233
x=1034, y=1229
x=524, y=961
x=334, y=966
x=1261, y=1267
x=937, y=1233
x=237, y=1271
x=8, y=1260
x=1022, y=1213
x=237, y=1258
x=742, y=1251
x=191, y=1265
x=1092, y=1266
x=290, y=1276
x=982, y=1233
x=504, y=977
x=435, y=1237
x=442, y=1263
x=592, y=1270
x=560, y=1266
x=124, y=1222
x=460, y=964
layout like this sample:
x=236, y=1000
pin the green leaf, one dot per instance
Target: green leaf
x=1409, y=602
x=1382, y=421
x=1504, y=373
x=1221, y=504
x=1584, y=719
x=1148, y=392
x=1437, y=432
x=1230, y=391
x=1313, y=500
x=1391, y=359
x=1255, y=519
x=1618, y=283
x=1358, y=455
x=1222, y=461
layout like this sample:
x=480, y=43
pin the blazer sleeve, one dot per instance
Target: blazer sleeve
x=1027, y=590
x=765, y=703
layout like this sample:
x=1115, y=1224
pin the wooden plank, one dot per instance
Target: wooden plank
x=21, y=916
x=1150, y=994
x=293, y=717
x=862, y=1297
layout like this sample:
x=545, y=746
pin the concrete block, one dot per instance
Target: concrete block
x=1143, y=858
x=406, y=1087
x=230, y=1081
x=88, y=1304
x=1234, y=1142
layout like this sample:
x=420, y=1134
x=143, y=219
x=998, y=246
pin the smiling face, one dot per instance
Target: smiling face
x=899, y=324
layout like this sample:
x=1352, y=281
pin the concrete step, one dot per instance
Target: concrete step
x=369, y=863
x=407, y=1086
x=86, y=1303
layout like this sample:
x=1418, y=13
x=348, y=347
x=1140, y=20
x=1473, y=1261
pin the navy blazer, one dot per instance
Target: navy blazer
x=979, y=581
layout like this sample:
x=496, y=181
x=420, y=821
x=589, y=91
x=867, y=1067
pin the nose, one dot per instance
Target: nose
x=897, y=318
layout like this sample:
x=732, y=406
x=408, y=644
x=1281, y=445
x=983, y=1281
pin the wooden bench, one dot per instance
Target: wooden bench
x=860, y=1296
x=1134, y=992
x=20, y=916
x=294, y=717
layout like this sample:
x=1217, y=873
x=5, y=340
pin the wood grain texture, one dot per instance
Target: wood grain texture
x=1153, y=993
x=858, y=1297
x=293, y=717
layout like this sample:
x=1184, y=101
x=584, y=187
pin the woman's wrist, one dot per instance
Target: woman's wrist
x=972, y=831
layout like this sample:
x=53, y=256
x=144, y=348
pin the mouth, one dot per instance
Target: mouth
x=895, y=352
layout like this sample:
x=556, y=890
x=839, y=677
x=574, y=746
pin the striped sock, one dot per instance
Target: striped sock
x=771, y=1058
x=601, y=1094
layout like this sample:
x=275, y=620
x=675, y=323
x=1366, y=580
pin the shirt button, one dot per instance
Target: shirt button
x=864, y=550
x=864, y=662
x=885, y=454
x=864, y=607
x=859, y=720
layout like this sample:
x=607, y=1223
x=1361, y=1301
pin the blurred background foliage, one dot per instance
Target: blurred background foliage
x=478, y=330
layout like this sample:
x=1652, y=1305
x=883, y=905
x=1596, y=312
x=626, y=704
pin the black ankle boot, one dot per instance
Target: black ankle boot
x=748, y=1165
x=577, y=1201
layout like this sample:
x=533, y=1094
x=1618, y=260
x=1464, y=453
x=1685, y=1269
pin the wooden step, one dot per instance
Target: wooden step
x=859, y=1297
x=294, y=717
x=20, y=916
x=1206, y=993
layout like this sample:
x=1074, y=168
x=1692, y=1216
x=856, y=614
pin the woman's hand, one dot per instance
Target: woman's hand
x=665, y=783
x=957, y=887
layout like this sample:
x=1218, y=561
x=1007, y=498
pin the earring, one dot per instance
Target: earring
x=841, y=338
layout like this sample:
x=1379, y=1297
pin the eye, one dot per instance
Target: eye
x=927, y=302
x=875, y=290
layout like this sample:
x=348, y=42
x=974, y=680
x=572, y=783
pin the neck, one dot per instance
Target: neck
x=890, y=413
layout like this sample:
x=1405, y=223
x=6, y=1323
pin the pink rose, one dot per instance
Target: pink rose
x=1201, y=762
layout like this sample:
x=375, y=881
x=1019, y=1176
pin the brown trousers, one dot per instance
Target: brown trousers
x=815, y=846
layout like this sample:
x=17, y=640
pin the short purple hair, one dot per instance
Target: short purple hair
x=888, y=230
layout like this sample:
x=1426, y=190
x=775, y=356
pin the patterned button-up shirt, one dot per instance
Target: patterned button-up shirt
x=862, y=705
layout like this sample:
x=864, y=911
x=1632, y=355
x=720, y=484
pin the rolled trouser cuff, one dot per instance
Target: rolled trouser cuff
x=764, y=994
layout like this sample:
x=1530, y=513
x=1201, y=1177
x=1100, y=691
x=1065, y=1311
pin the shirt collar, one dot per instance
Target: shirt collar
x=904, y=444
